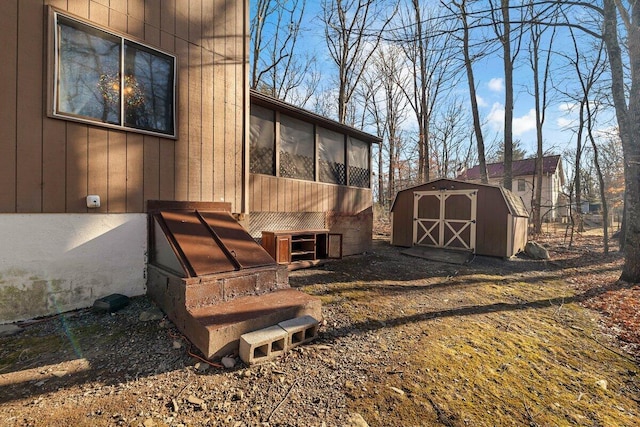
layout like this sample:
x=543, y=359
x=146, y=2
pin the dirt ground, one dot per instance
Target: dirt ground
x=406, y=342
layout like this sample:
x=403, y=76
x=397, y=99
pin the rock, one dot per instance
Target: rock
x=174, y=403
x=228, y=362
x=397, y=390
x=356, y=420
x=149, y=315
x=201, y=367
x=195, y=400
x=536, y=251
x=177, y=345
x=239, y=395
x=8, y=330
x=59, y=374
x=322, y=347
x=149, y=423
x=602, y=384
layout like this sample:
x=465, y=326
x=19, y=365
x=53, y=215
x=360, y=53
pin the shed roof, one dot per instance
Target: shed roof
x=514, y=203
x=523, y=167
x=300, y=113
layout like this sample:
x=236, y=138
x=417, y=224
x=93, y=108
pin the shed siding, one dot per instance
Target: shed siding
x=403, y=219
x=491, y=223
x=51, y=165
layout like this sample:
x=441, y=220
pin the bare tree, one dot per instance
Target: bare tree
x=626, y=100
x=628, y=117
x=468, y=65
x=384, y=80
x=451, y=139
x=612, y=164
x=503, y=31
x=370, y=92
x=428, y=47
x=540, y=61
x=278, y=68
x=587, y=72
x=351, y=42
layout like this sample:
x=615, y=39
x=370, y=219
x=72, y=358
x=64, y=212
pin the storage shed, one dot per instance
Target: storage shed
x=445, y=213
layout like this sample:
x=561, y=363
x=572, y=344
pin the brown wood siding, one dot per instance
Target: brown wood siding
x=491, y=222
x=268, y=192
x=51, y=165
x=29, y=100
x=403, y=219
x=9, y=91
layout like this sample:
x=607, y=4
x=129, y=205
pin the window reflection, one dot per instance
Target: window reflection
x=88, y=73
x=147, y=88
x=99, y=81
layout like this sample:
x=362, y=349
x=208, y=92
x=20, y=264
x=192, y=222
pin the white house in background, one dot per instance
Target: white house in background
x=524, y=178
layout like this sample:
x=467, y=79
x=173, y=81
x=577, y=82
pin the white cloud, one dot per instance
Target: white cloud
x=567, y=107
x=564, y=122
x=495, y=118
x=521, y=125
x=496, y=84
x=481, y=101
x=525, y=123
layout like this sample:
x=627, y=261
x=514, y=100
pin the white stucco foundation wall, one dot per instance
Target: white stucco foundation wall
x=51, y=263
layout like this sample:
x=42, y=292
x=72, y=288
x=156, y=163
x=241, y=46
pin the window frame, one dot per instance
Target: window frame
x=53, y=62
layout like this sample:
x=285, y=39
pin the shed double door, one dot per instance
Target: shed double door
x=445, y=219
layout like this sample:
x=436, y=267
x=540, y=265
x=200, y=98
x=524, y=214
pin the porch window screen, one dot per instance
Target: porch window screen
x=106, y=79
x=331, y=162
x=296, y=149
x=262, y=140
x=359, y=171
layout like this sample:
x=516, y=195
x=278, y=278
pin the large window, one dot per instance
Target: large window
x=262, y=140
x=359, y=172
x=290, y=147
x=296, y=149
x=331, y=164
x=104, y=78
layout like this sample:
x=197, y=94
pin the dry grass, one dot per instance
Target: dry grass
x=487, y=344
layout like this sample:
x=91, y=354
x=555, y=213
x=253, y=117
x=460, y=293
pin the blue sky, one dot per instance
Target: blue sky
x=489, y=78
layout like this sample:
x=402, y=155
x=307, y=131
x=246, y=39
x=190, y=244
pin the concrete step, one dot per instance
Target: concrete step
x=216, y=329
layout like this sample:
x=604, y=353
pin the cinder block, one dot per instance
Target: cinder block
x=263, y=344
x=300, y=330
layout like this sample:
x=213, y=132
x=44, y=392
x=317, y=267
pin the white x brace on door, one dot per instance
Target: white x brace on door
x=445, y=219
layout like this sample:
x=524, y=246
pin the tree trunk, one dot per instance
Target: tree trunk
x=629, y=125
x=576, y=181
x=537, y=198
x=508, y=97
x=477, y=126
x=603, y=196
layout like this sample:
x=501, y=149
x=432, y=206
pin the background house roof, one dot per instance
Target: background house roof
x=524, y=167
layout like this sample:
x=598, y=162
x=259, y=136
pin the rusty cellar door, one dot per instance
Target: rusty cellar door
x=445, y=219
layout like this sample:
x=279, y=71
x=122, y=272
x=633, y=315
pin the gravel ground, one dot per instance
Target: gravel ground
x=101, y=369
x=133, y=368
